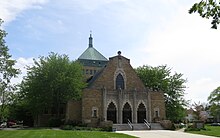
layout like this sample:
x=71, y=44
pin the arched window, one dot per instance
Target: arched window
x=120, y=82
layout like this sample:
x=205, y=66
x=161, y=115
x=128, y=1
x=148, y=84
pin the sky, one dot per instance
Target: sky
x=147, y=32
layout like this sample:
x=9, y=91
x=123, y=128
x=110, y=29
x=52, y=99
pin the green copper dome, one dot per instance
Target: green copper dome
x=91, y=53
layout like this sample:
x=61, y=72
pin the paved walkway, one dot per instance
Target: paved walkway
x=162, y=134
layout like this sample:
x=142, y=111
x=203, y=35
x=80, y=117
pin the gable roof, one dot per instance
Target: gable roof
x=92, y=79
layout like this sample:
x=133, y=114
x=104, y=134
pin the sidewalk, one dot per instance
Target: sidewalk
x=162, y=134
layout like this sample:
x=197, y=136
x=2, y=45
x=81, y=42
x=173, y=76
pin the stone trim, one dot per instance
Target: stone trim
x=111, y=101
x=141, y=102
x=128, y=103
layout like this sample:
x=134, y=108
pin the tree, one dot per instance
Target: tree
x=198, y=111
x=51, y=82
x=19, y=110
x=160, y=79
x=7, y=72
x=214, y=101
x=207, y=9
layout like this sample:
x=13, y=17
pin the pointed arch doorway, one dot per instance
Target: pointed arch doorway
x=112, y=113
x=141, y=113
x=127, y=113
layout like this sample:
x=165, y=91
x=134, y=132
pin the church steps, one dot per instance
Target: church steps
x=138, y=126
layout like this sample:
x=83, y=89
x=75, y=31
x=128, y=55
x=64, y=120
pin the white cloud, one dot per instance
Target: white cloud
x=199, y=90
x=188, y=45
x=22, y=64
x=186, y=39
x=10, y=9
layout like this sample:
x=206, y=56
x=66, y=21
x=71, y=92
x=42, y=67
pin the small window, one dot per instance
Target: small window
x=94, y=112
x=156, y=114
x=94, y=71
x=87, y=71
x=90, y=72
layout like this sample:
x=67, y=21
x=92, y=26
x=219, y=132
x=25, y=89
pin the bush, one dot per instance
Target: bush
x=78, y=128
x=106, y=126
x=190, y=125
x=76, y=125
x=67, y=127
x=54, y=122
x=108, y=129
x=167, y=125
x=73, y=123
x=192, y=129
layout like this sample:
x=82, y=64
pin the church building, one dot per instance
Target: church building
x=114, y=92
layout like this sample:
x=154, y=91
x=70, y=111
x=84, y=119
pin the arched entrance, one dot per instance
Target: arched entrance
x=112, y=112
x=127, y=113
x=141, y=113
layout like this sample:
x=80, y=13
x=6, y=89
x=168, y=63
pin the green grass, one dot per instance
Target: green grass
x=210, y=131
x=48, y=133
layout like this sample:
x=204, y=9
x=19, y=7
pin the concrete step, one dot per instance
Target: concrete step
x=121, y=127
x=139, y=126
x=156, y=126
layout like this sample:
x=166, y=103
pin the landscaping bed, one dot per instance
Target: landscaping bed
x=48, y=133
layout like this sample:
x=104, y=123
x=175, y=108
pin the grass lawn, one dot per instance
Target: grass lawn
x=48, y=133
x=210, y=131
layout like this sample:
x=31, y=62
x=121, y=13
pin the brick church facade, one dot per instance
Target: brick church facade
x=114, y=92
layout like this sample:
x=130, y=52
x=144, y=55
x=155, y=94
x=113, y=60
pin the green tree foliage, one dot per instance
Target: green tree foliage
x=208, y=9
x=18, y=109
x=7, y=72
x=51, y=82
x=160, y=79
x=214, y=101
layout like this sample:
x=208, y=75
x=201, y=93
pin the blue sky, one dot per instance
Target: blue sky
x=146, y=31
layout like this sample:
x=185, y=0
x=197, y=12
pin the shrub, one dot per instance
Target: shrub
x=192, y=129
x=73, y=123
x=78, y=128
x=167, y=125
x=106, y=126
x=54, y=122
x=108, y=129
x=67, y=127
